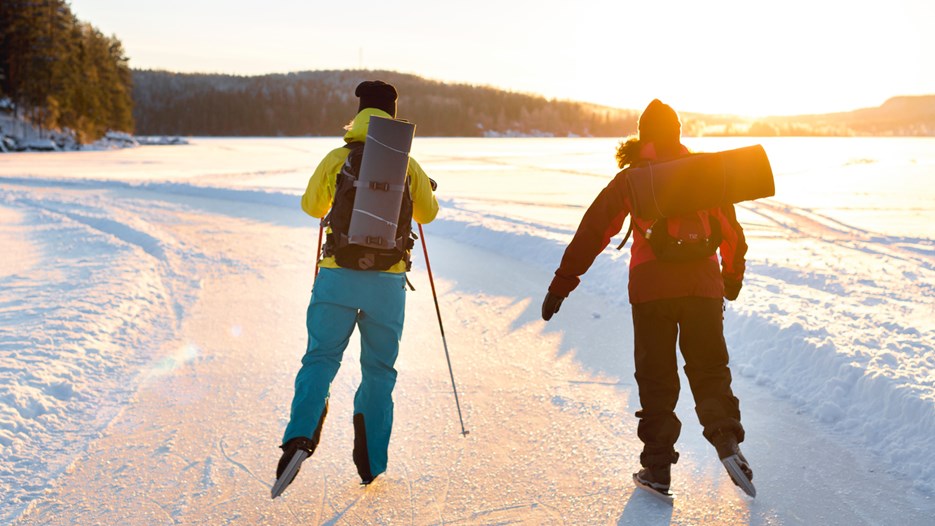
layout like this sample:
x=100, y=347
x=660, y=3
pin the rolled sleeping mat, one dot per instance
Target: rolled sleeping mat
x=699, y=182
x=381, y=183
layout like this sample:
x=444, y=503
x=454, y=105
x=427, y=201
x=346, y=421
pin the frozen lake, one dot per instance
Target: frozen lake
x=119, y=285
x=880, y=184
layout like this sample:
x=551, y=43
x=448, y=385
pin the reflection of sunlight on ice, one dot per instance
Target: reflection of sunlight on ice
x=186, y=354
x=710, y=499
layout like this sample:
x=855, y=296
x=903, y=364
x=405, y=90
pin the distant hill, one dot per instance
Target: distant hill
x=898, y=116
x=314, y=103
x=322, y=102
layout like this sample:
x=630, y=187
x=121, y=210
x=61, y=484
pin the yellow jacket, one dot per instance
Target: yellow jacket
x=320, y=191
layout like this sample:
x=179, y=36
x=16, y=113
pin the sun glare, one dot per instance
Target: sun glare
x=732, y=57
x=721, y=56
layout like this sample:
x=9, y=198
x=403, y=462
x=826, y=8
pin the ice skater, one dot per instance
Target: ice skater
x=677, y=290
x=357, y=286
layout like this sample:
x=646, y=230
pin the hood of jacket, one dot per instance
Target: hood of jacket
x=357, y=129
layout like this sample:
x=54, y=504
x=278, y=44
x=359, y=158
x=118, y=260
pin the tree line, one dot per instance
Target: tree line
x=62, y=73
x=321, y=103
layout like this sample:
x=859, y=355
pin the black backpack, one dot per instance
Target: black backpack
x=359, y=257
x=691, y=241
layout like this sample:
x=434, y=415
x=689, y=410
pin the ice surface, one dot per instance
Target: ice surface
x=106, y=256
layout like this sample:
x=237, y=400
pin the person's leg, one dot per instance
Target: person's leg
x=702, y=343
x=381, y=327
x=330, y=323
x=706, y=358
x=654, y=333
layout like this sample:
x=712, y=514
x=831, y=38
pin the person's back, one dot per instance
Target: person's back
x=342, y=298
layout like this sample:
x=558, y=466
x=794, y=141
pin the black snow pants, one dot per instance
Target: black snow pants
x=696, y=324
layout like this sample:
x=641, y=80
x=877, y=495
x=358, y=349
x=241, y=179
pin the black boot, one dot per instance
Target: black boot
x=656, y=477
x=289, y=450
x=736, y=464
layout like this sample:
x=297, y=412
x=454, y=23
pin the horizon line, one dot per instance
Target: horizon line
x=530, y=93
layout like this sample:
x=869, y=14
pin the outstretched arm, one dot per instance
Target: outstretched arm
x=602, y=221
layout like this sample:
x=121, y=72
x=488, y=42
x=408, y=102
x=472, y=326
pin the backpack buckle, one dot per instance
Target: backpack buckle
x=380, y=186
x=377, y=240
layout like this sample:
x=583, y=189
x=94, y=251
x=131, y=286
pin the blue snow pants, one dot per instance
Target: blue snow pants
x=376, y=303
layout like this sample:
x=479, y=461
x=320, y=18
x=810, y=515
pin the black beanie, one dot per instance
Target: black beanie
x=660, y=123
x=377, y=94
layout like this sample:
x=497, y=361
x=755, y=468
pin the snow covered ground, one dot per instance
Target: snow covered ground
x=151, y=321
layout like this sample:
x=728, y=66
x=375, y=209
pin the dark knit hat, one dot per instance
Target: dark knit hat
x=660, y=123
x=377, y=94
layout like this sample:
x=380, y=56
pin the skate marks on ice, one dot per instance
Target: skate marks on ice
x=804, y=222
x=815, y=257
x=245, y=469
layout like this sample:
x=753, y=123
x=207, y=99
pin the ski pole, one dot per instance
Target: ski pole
x=321, y=232
x=442, y=328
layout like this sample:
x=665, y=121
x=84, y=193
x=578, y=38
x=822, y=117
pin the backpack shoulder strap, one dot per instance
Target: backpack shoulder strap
x=627, y=236
x=346, y=172
x=635, y=227
x=356, y=148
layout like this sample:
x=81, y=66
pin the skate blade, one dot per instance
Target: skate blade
x=733, y=465
x=665, y=497
x=289, y=474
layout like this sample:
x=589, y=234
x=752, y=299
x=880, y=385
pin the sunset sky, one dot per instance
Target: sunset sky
x=717, y=56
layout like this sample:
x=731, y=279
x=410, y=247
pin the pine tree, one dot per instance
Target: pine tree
x=63, y=72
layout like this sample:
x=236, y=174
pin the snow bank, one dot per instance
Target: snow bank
x=86, y=293
x=893, y=416
x=160, y=140
x=19, y=135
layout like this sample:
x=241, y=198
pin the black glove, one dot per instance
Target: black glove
x=550, y=305
x=732, y=289
x=433, y=184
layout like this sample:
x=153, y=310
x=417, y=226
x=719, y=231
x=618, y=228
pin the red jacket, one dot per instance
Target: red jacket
x=650, y=279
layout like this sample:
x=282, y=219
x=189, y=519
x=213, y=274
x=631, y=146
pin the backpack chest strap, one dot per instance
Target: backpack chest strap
x=376, y=185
